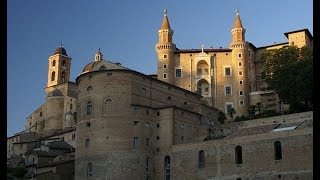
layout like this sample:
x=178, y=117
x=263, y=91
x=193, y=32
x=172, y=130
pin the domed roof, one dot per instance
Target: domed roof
x=102, y=65
x=60, y=50
x=54, y=93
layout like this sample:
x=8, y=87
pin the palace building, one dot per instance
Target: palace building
x=116, y=123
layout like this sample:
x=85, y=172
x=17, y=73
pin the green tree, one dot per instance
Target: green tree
x=221, y=117
x=289, y=73
x=252, y=111
x=231, y=113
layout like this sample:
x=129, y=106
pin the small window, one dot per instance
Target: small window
x=87, y=142
x=147, y=141
x=71, y=106
x=63, y=76
x=239, y=64
x=201, y=159
x=227, y=71
x=240, y=93
x=158, y=125
x=240, y=73
x=53, y=63
x=89, y=169
x=239, y=55
x=102, y=68
x=206, y=89
x=158, y=138
x=53, y=76
x=63, y=63
x=164, y=66
x=40, y=114
x=90, y=88
x=62, y=138
x=228, y=90
x=136, y=123
x=88, y=124
x=165, y=56
x=147, y=112
x=241, y=102
x=89, y=108
x=238, y=155
x=158, y=113
x=178, y=72
x=241, y=82
x=164, y=75
x=277, y=150
x=135, y=142
x=73, y=136
x=169, y=97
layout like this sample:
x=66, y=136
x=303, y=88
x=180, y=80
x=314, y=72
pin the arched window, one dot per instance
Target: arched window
x=238, y=154
x=53, y=74
x=108, y=106
x=102, y=68
x=53, y=63
x=89, y=169
x=201, y=159
x=167, y=168
x=89, y=108
x=63, y=63
x=63, y=76
x=277, y=150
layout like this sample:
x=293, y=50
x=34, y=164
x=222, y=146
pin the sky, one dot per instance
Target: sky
x=126, y=31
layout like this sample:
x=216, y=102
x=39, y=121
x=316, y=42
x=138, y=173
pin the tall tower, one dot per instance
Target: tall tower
x=59, y=67
x=240, y=84
x=165, y=49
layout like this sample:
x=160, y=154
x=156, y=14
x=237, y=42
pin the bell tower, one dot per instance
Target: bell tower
x=165, y=49
x=59, y=67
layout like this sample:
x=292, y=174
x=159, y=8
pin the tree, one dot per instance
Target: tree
x=221, y=117
x=289, y=73
x=252, y=110
x=231, y=113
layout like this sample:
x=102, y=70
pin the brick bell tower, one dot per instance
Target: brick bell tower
x=58, y=67
x=165, y=49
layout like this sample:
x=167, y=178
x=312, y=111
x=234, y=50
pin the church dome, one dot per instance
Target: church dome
x=60, y=50
x=54, y=93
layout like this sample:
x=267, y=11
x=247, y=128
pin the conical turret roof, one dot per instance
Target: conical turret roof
x=237, y=21
x=165, y=22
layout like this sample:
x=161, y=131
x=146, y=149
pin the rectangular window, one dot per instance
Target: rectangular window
x=164, y=75
x=147, y=141
x=239, y=55
x=241, y=102
x=227, y=71
x=240, y=93
x=73, y=136
x=239, y=64
x=240, y=73
x=158, y=125
x=158, y=113
x=249, y=53
x=165, y=56
x=136, y=123
x=178, y=72
x=158, y=138
x=135, y=142
x=87, y=142
x=206, y=89
x=241, y=82
x=88, y=124
x=164, y=66
x=228, y=90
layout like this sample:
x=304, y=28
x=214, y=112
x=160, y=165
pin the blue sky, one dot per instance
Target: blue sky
x=126, y=32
